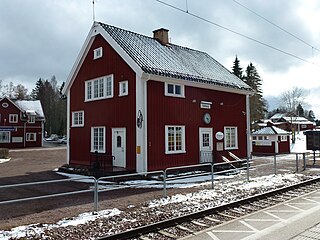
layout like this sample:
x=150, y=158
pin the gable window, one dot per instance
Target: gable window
x=231, y=137
x=31, y=137
x=4, y=137
x=78, y=119
x=13, y=118
x=31, y=119
x=97, y=53
x=98, y=139
x=174, y=90
x=99, y=88
x=175, y=139
x=123, y=88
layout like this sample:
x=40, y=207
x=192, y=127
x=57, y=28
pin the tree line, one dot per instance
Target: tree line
x=292, y=102
x=52, y=100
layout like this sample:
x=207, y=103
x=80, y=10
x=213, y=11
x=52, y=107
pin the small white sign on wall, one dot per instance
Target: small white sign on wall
x=17, y=139
x=219, y=135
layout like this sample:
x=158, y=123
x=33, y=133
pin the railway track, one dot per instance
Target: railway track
x=186, y=225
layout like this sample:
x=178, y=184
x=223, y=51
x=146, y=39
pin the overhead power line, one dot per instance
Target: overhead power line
x=276, y=25
x=237, y=33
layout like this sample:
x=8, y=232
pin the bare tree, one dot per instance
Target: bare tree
x=292, y=98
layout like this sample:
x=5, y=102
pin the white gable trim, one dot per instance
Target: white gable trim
x=97, y=29
x=194, y=84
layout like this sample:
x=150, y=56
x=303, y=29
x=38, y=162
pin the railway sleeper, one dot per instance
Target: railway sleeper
x=167, y=234
x=185, y=229
x=199, y=223
x=227, y=216
x=213, y=219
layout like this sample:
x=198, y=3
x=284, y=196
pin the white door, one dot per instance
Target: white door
x=119, y=147
x=205, y=142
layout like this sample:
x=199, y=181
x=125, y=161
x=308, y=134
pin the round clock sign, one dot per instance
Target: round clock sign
x=207, y=118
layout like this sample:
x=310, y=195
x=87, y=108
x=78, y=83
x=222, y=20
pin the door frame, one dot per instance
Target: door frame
x=114, y=141
x=201, y=130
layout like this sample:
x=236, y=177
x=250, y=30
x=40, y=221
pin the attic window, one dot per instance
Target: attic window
x=97, y=53
x=174, y=90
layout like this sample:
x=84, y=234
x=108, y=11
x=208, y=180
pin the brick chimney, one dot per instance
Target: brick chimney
x=161, y=35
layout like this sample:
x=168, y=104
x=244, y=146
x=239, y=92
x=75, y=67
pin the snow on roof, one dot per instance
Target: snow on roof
x=172, y=60
x=31, y=106
x=272, y=130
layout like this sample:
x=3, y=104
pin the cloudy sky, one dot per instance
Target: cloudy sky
x=43, y=38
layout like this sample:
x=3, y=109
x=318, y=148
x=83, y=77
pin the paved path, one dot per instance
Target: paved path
x=296, y=219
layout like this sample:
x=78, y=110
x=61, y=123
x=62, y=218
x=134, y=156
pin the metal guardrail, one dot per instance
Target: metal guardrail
x=162, y=175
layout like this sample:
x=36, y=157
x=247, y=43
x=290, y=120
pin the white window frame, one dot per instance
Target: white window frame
x=31, y=119
x=103, y=144
x=226, y=137
x=13, y=118
x=76, y=120
x=283, y=138
x=183, y=139
x=123, y=88
x=99, y=88
x=97, y=53
x=174, y=94
x=8, y=139
x=31, y=139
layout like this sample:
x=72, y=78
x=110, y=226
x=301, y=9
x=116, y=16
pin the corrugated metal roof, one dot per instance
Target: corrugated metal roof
x=172, y=60
x=31, y=106
x=270, y=131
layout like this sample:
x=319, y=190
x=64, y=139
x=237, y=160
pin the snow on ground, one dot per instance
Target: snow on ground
x=37, y=229
x=300, y=144
x=221, y=193
x=3, y=160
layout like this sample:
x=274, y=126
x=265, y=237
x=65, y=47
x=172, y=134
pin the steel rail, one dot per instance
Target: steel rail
x=131, y=233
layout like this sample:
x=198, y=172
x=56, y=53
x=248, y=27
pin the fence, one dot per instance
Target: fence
x=106, y=184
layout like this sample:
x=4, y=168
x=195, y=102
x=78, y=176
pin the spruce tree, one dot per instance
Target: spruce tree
x=236, y=69
x=258, y=105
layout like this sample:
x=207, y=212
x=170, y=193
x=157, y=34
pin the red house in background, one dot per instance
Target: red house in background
x=270, y=140
x=21, y=123
x=152, y=104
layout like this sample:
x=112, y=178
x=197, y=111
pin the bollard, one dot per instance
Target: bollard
x=212, y=175
x=247, y=169
x=165, y=183
x=275, y=164
x=95, y=195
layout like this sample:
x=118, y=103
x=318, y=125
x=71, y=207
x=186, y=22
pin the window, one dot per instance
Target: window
x=123, y=88
x=31, y=137
x=4, y=137
x=174, y=90
x=78, y=119
x=98, y=139
x=97, y=53
x=99, y=88
x=31, y=119
x=283, y=138
x=231, y=137
x=13, y=118
x=175, y=139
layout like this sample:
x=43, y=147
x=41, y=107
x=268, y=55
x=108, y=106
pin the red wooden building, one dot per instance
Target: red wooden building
x=152, y=104
x=270, y=140
x=21, y=123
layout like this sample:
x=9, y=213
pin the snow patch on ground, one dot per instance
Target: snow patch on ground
x=3, y=160
x=37, y=229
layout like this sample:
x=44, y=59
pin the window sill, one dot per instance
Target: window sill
x=176, y=152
